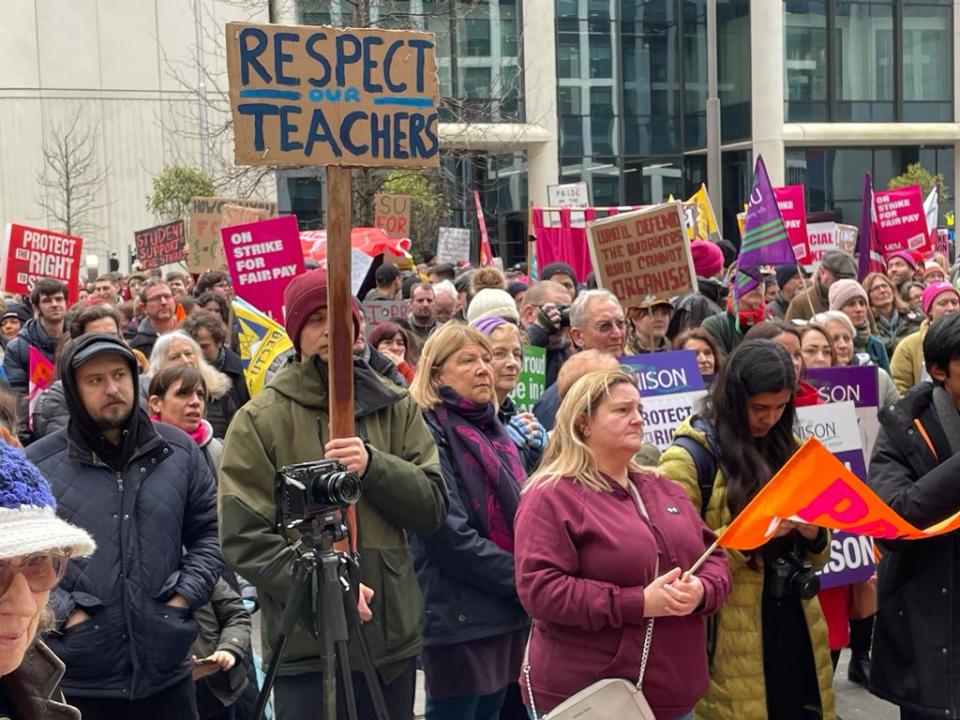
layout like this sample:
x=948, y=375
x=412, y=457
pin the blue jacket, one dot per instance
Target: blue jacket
x=155, y=524
x=469, y=591
x=16, y=361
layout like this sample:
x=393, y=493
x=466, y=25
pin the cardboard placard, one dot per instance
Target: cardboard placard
x=901, y=223
x=643, y=255
x=308, y=95
x=161, y=244
x=793, y=210
x=453, y=245
x=533, y=378
x=263, y=258
x=207, y=216
x=381, y=311
x=31, y=254
x=568, y=195
x=391, y=213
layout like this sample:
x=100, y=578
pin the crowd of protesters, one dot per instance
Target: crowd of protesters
x=515, y=557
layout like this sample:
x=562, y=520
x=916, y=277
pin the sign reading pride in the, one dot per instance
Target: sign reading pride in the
x=309, y=95
x=671, y=386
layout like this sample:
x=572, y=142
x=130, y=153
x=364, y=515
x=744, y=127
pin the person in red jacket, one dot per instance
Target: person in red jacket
x=592, y=570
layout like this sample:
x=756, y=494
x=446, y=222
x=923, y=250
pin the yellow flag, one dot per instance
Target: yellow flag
x=264, y=345
x=706, y=221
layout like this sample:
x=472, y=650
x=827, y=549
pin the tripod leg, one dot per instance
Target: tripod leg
x=369, y=672
x=343, y=663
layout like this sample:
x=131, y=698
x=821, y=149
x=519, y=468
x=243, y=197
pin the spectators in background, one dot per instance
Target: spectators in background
x=542, y=317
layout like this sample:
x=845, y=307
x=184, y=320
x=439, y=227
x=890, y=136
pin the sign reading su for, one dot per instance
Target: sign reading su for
x=392, y=214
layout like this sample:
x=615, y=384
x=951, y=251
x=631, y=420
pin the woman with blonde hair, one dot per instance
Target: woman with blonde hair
x=602, y=546
x=895, y=318
x=475, y=627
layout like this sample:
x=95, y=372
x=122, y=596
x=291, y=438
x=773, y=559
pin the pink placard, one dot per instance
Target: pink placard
x=263, y=258
x=793, y=210
x=900, y=221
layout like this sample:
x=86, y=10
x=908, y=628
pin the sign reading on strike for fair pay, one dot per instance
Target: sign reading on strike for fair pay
x=308, y=95
x=207, y=216
x=31, y=254
x=901, y=223
x=391, y=214
x=264, y=258
x=161, y=244
x=643, y=255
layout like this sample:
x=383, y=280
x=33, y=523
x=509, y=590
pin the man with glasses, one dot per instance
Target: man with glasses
x=597, y=322
x=144, y=493
x=217, y=281
x=160, y=308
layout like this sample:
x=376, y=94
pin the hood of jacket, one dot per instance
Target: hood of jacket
x=306, y=383
x=34, y=334
x=82, y=429
x=712, y=290
x=146, y=328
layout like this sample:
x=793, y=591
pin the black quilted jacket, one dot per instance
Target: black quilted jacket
x=155, y=525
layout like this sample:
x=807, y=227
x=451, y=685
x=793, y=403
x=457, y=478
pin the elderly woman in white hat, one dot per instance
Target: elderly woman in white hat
x=35, y=547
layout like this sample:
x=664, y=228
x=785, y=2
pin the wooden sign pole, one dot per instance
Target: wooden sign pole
x=340, y=310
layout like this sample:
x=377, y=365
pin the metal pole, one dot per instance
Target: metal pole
x=714, y=178
x=201, y=91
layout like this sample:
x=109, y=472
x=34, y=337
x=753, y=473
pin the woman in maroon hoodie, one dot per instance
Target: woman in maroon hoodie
x=586, y=560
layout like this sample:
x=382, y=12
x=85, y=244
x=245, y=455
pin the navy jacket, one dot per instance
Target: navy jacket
x=155, y=524
x=469, y=591
x=16, y=362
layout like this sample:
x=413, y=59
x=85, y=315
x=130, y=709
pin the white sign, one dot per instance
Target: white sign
x=360, y=264
x=821, y=237
x=568, y=195
x=453, y=245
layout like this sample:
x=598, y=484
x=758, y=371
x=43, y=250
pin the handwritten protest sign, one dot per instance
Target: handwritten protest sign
x=381, y=311
x=671, y=387
x=533, y=375
x=901, y=223
x=264, y=258
x=31, y=254
x=453, y=245
x=307, y=95
x=852, y=558
x=847, y=238
x=575, y=195
x=643, y=255
x=793, y=210
x=859, y=385
x=392, y=215
x=207, y=216
x=161, y=244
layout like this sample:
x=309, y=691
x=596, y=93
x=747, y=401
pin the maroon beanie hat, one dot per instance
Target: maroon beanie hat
x=305, y=295
x=707, y=258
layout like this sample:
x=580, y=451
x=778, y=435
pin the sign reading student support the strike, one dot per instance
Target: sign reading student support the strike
x=264, y=258
x=161, y=244
x=308, y=95
x=643, y=255
x=671, y=387
x=901, y=223
x=852, y=558
x=532, y=379
x=793, y=210
x=207, y=216
x=32, y=254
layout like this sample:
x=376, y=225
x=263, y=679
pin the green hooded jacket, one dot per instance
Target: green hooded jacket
x=403, y=490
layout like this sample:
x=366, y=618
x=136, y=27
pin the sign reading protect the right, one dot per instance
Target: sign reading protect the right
x=308, y=95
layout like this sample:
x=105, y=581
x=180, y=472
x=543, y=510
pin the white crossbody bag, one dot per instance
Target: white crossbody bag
x=609, y=699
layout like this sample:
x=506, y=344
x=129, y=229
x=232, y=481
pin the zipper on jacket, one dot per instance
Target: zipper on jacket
x=119, y=475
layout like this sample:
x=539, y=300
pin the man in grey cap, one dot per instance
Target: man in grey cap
x=835, y=265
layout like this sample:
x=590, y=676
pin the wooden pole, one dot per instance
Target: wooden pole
x=340, y=312
x=703, y=558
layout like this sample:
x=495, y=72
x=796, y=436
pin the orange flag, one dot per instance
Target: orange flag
x=815, y=487
x=41, y=377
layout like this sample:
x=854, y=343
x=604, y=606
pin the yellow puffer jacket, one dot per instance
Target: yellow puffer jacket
x=737, y=690
x=906, y=365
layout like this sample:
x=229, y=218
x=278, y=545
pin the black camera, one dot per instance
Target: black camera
x=313, y=489
x=792, y=575
x=548, y=324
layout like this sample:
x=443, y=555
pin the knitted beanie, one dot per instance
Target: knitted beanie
x=843, y=291
x=932, y=291
x=488, y=324
x=305, y=295
x=707, y=258
x=907, y=257
x=557, y=268
x=28, y=522
x=786, y=273
x=491, y=302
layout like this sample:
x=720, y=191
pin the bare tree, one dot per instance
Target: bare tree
x=72, y=177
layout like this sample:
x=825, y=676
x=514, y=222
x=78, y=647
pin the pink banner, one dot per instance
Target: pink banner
x=263, y=258
x=793, y=210
x=900, y=221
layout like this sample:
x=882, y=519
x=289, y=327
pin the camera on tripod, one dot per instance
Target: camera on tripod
x=792, y=575
x=318, y=489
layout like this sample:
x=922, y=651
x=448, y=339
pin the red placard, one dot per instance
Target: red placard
x=900, y=222
x=793, y=210
x=33, y=254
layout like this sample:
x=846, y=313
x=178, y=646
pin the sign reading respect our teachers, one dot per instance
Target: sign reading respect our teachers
x=643, y=255
x=309, y=95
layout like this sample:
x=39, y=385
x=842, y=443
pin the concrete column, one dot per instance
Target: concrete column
x=540, y=95
x=767, y=93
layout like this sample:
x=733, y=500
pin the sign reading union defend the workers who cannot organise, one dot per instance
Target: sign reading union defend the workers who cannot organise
x=311, y=95
x=643, y=255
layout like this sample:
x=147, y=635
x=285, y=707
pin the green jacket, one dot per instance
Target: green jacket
x=737, y=690
x=403, y=490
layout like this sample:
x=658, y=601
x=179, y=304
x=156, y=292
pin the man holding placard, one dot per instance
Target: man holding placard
x=49, y=299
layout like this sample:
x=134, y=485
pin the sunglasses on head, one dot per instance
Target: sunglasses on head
x=41, y=570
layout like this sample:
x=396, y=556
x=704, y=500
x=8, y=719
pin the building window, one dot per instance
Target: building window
x=733, y=68
x=805, y=61
x=864, y=60
x=927, y=54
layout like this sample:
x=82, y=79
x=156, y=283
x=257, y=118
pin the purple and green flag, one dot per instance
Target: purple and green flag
x=765, y=240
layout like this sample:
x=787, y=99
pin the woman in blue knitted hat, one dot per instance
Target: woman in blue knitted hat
x=35, y=547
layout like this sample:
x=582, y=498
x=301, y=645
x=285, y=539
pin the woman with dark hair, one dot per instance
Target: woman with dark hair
x=787, y=336
x=215, y=303
x=178, y=397
x=817, y=347
x=391, y=341
x=709, y=359
x=769, y=644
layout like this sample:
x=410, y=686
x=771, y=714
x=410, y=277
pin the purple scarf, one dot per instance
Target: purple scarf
x=487, y=461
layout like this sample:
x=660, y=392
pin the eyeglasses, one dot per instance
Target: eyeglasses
x=42, y=570
x=608, y=325
x=160, y=298
x=221, y=284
